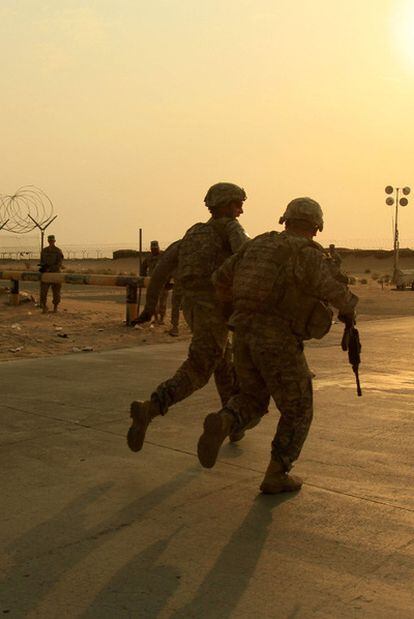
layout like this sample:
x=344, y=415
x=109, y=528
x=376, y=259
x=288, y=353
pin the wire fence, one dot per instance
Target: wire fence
x=28, y=248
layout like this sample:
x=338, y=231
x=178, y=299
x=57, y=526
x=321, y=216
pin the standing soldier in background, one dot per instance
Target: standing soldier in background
x=51, y=260
x=204, y=247
x=147, y=267
x=164, y=271
x=279, y=284
x=334, y=255
x=334, y=263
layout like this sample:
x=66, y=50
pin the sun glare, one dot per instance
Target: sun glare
x=403, y=29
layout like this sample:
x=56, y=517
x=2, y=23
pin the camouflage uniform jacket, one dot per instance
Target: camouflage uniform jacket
x=148, y=264
x=232, y=234
x=278, y=277
x=51, y=259
x=228, y=236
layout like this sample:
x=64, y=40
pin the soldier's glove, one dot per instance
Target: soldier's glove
x=145, y=316
x=347, y=318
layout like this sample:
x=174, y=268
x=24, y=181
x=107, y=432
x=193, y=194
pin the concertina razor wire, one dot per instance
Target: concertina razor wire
x=25, y=210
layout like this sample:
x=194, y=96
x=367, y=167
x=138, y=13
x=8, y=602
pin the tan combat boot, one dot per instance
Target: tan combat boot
x=216, y=427
x=141, y=413
x=277, y=480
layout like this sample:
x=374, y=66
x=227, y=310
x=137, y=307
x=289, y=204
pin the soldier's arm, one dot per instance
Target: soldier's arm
x=161, y=275
x=223, y=277
x=143, y=268
x=316, y=278
x=236, y=234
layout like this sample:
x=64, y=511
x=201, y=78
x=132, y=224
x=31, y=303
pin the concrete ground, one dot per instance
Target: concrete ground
x=89, y=529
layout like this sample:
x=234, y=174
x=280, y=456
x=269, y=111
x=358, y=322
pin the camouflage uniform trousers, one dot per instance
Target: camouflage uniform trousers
x=176, y=299
x=44, y=289
x=161, y=308
x=271, y=363
x=209, y=353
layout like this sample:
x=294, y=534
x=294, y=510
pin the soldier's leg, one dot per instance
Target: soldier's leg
x=295, y=403
x=162, y=306
x=225, y=376
x=251, y=400
x=56, y=291
x=290, y=384
x=175, y=310
x=242, y=411
x=44, y=287
x=205, y=352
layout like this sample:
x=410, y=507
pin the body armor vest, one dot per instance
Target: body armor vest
x=265, y=283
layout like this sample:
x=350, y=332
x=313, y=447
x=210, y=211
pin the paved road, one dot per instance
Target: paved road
x=90, y=529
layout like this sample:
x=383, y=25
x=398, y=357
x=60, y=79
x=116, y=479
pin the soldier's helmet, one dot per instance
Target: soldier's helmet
x=221, y=194
x=154, y=244
x=51, y=237
x=305, y=209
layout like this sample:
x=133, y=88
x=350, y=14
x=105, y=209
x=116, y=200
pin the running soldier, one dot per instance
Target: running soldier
x=204, y=247
x=280, y=285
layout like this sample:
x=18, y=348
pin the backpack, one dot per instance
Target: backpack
x=203, y=249
x=265, y=283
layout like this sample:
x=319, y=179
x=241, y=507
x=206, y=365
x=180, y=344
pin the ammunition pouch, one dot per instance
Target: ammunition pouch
x=309, y=318
x=319, y=321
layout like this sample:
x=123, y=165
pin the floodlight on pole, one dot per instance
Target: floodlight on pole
x=393, y=194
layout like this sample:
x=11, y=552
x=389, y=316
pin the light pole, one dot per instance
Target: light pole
x=393, y=194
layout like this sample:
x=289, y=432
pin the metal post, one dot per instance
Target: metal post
x=131, y=304
x=389, y=190
x=396, y=239
x=14, y=292
x=42, y=227
x=139, y=272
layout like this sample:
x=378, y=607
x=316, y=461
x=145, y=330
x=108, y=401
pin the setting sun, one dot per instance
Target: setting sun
x=403, y=29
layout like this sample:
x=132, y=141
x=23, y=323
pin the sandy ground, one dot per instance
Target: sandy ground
x=92, y=318
x=89, y=317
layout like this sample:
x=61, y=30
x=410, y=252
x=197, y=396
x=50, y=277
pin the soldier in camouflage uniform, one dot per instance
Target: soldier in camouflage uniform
x=51, y=260
x=165, y=270
x=334, y=263
x=147, y=268
x=280, y=285
x=204, y=247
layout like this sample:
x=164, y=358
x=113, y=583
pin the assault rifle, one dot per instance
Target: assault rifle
x=351, y=343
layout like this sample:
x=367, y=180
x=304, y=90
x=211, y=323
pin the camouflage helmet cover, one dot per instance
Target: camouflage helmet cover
x=304, y=208
x=223, y=193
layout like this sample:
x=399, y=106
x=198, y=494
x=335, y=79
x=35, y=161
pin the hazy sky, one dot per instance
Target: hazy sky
x=126, y=111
